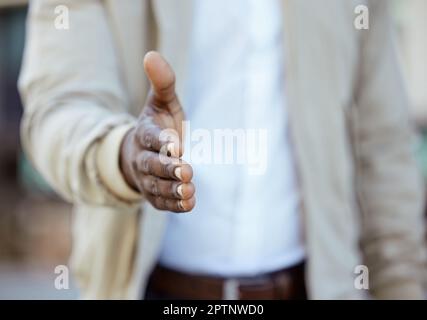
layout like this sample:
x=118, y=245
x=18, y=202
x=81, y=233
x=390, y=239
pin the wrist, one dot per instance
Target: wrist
x=125, y=162
x=108, y=158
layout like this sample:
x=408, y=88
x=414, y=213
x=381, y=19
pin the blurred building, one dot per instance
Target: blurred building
x=34, y=222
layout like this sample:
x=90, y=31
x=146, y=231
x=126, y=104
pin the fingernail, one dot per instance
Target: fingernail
x=179, y=190
x=177, y=173
x=181, y=205
x=170, y=149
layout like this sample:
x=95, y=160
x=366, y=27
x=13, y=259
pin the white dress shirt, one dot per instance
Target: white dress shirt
x=244, y=223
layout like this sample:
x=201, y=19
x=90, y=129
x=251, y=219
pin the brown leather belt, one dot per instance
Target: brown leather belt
x=286, y=284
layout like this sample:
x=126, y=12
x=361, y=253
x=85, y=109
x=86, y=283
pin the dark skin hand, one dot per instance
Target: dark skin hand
x=150, y=153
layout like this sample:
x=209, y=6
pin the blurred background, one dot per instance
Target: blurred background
x=35, y=223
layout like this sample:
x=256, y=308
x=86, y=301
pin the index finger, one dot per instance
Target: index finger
x=164, y=141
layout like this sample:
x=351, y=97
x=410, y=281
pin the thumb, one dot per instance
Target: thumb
x=161, y=76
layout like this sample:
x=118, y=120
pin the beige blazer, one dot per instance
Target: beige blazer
x=362, y=194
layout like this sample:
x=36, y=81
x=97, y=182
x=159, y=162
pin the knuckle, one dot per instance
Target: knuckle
x=139, y=185
x=166, y=169
x=160, y=202
x=172, y=205
x=163, y=187
x=139, y=131
x=168, y=204
x=134, y=164
x=145, y=163
x=154, y=188
x=148, y=139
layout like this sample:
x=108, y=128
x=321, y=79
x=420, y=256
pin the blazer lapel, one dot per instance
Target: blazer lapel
x=318, y=61
x=320, y=56
x=294, y=84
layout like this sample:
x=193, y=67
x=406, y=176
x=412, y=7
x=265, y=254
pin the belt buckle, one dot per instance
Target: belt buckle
x=231, y=289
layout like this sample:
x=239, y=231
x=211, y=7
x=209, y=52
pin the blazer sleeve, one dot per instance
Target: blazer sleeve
x=75, y=105
x=389, y=184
